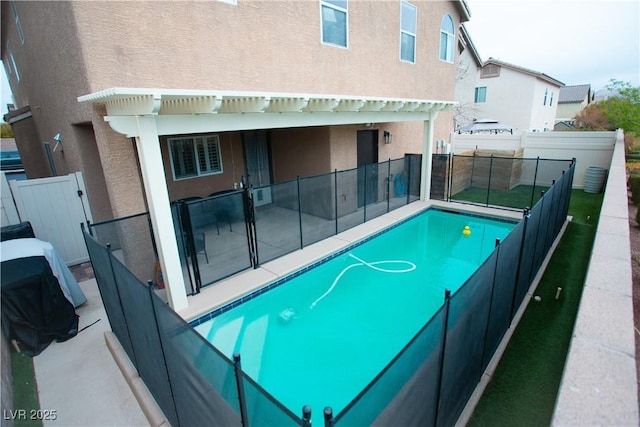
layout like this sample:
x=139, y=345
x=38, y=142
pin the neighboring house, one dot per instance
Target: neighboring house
x=200, y=96
x=571, y=101
x=524, y=99
x=467, y=66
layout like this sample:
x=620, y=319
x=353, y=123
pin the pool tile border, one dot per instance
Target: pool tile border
x=235, y=303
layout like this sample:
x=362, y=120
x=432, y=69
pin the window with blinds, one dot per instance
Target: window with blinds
x=195, y=156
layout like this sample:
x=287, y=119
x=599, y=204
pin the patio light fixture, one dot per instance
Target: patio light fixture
x=387, y=137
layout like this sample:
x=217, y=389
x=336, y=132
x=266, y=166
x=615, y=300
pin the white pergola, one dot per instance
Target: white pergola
x=146, y=114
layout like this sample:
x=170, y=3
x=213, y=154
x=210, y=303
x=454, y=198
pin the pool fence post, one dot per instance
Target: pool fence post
x=164, y=357
x=541, y=199
x=250, y=226
x=365, y=193
x=408, y=179
x=388, y=182
x=335, y=195
x=525, y=217
x=153, y=239
x=553, y=213
x=473, y=167
x=299, y=212
x=306, y=416
x=489, y=180
x=447, y=304
x=449, y=177
x=191, y=246
x=493, y=286
x=237, y=367
x=328, y=417
x=535, y=177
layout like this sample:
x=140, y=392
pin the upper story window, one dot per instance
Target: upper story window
x=334, y=18
x=546, y=93
x=195, y=156
x=17, y=19
x=447, y=38
x=481, y=94
x=490, y=70
x=551, y=99
x=408, y=25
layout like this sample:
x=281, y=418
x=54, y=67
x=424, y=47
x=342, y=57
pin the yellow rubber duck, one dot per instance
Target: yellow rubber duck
x=466, y=232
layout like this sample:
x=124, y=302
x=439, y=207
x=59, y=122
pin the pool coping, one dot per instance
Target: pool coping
x=270, y=274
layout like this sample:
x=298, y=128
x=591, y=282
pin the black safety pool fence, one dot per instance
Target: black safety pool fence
x=427, y=384
x=493, y=180
x=234, y=230
x=231, y=231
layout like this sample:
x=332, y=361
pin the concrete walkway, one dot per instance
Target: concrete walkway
x=79, y=379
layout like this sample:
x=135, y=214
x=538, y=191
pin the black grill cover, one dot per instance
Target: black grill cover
x=34, y=310
x=16, y=231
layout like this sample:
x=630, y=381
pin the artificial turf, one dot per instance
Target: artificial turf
x=522, y=196
x=25, y=392
x=524, y=386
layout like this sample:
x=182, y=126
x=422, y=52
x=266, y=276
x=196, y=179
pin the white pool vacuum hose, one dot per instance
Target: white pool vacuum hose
x=372, y=265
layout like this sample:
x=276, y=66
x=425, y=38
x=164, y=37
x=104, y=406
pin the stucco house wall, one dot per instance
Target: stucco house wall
x=517, y=99
x=544, y=106
x=467, y=66
x=249, y=46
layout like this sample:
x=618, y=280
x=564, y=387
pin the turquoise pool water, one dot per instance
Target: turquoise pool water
x=322, y=336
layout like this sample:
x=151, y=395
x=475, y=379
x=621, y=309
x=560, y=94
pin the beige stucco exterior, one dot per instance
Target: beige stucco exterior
x=249, y=46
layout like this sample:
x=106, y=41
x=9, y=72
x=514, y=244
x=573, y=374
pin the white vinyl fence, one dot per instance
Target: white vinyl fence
x=588, y=148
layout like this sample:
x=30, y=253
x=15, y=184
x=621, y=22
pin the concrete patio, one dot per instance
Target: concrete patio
x=79, y=378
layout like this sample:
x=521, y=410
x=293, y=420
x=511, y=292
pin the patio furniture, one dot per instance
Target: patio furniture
x=200, y=244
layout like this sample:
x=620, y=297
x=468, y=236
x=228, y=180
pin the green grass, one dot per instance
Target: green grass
x=25, y=390
x=524, y=387
x=517, y=197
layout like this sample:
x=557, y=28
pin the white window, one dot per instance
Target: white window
x=333, y=19
x=546, y=92
x=481, y=94
x=17, y=19
x=408, y=25
x=195, y=156
x=447, y=38
x=551, y=100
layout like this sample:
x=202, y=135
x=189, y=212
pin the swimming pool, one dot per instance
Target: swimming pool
x=319, y=338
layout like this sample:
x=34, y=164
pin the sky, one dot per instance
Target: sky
x=5, y=93
x=573, y=41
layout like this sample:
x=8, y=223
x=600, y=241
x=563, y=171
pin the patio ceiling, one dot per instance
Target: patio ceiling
x=205, y=110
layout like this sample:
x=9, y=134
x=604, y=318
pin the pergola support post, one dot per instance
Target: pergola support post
x=157, y=195
x=427, y=154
